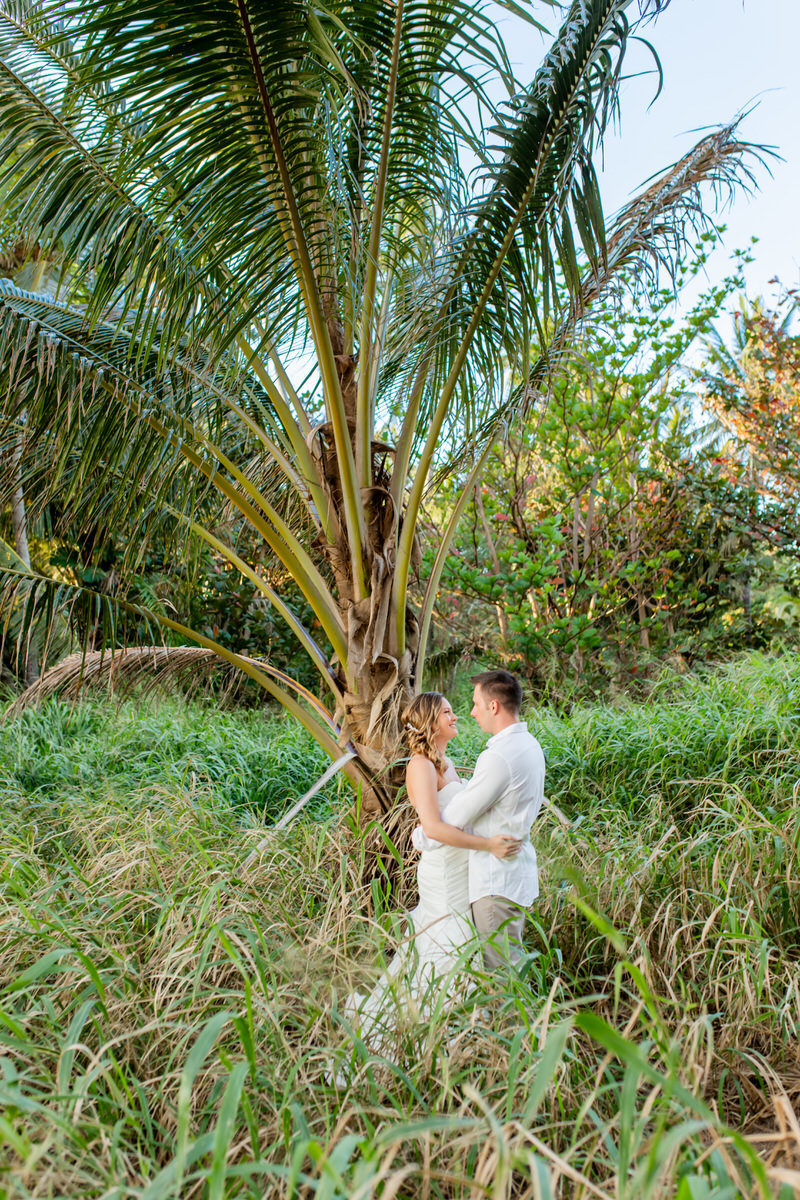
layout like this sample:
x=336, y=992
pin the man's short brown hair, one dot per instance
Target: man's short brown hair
x=500, y=686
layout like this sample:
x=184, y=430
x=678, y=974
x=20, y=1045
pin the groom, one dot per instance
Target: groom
x=503, y=796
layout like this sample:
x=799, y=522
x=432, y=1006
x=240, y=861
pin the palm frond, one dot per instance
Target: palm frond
x=648, y=237
x=518, y=243
x=80, y=391
x=146, y=670
x=652, y=232
x=649, y=234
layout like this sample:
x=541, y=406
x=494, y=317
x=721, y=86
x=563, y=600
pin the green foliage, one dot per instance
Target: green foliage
x=610, y=533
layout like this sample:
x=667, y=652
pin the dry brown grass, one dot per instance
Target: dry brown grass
x=170, y=1022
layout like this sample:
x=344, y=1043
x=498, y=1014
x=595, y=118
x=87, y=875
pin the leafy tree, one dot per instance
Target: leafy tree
x=752, y=385
x=238, y=190
x=607, y=531
x=749, y=385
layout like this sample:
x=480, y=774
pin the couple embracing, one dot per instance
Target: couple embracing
x=477, y=869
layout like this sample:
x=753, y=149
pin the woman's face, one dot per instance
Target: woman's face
x=446, y=729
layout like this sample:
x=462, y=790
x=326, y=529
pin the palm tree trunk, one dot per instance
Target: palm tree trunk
x=20, y=526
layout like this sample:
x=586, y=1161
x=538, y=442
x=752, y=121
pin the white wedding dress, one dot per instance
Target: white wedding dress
x=424, y=972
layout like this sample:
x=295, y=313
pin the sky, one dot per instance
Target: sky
x=720, y=58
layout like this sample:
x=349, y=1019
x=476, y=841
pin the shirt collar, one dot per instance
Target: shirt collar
x=515, y=728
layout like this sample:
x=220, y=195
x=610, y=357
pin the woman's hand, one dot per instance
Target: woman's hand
x=503, y=845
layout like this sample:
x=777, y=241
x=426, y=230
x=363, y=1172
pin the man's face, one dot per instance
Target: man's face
x=482, y=710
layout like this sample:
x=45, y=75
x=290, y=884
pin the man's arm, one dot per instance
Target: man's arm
x=487, y=785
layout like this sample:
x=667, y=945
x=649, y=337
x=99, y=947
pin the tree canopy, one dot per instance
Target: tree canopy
x=235, y=195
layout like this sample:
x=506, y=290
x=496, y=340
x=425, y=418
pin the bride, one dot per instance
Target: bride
x=440, y=924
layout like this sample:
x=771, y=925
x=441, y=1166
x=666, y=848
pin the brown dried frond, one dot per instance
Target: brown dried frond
x=120, y=671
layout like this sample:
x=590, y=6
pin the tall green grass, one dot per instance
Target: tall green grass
x=252, y=761
x=171, y=1025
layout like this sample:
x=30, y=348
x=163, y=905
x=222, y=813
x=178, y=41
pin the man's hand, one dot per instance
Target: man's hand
x=503, y=845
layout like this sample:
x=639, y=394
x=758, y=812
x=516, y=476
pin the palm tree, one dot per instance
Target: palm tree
x=244, y=192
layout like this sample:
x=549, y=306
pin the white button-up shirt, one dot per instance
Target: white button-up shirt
x=503, y=796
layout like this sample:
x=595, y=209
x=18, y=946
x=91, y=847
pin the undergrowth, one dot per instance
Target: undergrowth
x=251, y=760
x=173, y=1025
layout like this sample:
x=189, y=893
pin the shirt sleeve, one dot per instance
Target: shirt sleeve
x=488, y=783
x=421, y=841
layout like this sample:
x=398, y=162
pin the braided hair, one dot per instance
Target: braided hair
x=420, y=725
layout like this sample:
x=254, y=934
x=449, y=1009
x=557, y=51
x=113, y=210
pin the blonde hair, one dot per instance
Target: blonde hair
x=420, y=725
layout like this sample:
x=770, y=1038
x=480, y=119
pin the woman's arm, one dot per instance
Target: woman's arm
x=421, y=782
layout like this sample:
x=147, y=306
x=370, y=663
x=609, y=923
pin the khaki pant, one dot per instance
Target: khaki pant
x=502, y=922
